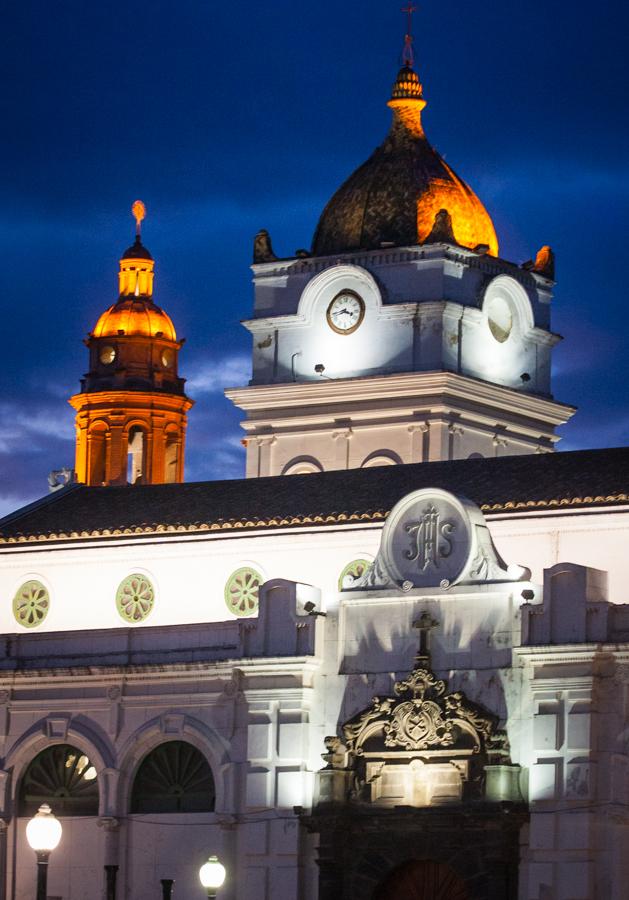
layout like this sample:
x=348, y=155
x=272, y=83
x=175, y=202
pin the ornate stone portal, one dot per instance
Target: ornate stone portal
x=434, y=539
x=418, y=779
x=423, y=747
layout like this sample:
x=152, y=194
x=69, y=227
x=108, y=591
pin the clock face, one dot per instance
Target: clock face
x=107, y=354
x=168, y=358
x=345, y=313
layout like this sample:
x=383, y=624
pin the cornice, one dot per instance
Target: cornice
x=418, y=254
x=224, y=527
x=415, y=385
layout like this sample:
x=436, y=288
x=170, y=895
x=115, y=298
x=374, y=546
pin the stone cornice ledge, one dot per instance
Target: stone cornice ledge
x=415, y=385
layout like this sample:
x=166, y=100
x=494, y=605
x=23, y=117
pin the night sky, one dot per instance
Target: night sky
x=226, y=118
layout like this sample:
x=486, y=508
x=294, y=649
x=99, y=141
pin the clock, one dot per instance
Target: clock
x=345, y=313
x=107, y=354
x=168, y=357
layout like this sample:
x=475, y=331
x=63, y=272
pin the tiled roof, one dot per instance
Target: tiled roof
x=574, y=480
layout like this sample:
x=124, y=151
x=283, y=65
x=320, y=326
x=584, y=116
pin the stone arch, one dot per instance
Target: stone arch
x=53, y=730
x=381, y=458
x=174, y=726
x=136, y=435
x=506, y=289
x=422, y=880
x=302, y=465
x=327, y=284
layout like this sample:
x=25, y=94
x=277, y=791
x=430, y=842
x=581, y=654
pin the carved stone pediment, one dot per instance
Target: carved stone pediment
x=435, y=539
x=422, y=747
x=421, y=718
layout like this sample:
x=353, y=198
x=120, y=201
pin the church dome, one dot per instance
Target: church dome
x=394, y=197
x=135, y=316
x=137, y=250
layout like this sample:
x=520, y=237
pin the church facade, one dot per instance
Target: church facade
x=393, y=660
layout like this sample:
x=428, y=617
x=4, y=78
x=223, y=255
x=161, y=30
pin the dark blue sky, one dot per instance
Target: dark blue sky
x=225, y=118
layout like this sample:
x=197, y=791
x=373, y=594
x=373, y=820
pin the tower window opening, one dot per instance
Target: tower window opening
x=135, y=456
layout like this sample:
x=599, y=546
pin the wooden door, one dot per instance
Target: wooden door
x=422, y=880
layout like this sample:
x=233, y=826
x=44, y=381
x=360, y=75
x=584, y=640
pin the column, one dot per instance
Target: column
x=342, y=438
x=111, y=854
x=454, y=431
x=439, y=440
x=265, y=455
x=498, y=442
x=418, y=442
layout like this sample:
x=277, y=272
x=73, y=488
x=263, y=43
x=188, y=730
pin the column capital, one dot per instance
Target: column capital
x=419, y=426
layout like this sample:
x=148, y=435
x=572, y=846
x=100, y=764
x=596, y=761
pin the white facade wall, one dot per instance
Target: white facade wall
x=190, y=573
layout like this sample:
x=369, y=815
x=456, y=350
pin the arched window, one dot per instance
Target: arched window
x=63, y=777
x=136, y=456
x=476, y=455
x=381, y=458
x=302, y=465
x=173, y=778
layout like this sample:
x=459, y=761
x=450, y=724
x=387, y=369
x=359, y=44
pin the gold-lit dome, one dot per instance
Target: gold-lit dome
x=393, y=198
x=135, y=316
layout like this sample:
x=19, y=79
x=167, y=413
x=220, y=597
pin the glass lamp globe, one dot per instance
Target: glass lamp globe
x=43, y=832
x=212, y=873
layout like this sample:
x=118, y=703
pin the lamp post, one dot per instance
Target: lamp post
x=43, y=833
x=212, y=875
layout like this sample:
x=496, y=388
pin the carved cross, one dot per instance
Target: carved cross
x=424, y=625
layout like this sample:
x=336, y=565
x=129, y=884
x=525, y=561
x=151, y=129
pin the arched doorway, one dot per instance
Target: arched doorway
x=422, y=880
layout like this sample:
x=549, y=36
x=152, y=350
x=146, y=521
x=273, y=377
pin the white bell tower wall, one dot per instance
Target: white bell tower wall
x=409, y=355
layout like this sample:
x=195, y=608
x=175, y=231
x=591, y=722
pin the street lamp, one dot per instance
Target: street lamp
x=43, y=833
x=212, y=875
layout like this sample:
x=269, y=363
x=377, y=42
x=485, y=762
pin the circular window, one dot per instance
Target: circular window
x=356, y=569
x=500, y=319
x=168, y=357
x=107, y=354
x=31, y=604
x=135, y=598
x=241, y=592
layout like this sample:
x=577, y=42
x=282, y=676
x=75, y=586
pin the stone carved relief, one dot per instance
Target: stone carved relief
x=434, y=539
x=422, y=747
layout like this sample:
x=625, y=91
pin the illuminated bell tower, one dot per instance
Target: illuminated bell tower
x=402, y=336
x=131, y=410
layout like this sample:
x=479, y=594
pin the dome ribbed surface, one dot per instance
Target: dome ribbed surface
x=135, y=316
x=394, y=196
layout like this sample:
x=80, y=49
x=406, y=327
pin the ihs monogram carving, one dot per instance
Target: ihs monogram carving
x=431, y=539
x=435, y=539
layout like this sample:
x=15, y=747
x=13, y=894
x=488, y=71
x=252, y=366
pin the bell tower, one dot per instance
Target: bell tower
x=131, y=409
x=402, y=336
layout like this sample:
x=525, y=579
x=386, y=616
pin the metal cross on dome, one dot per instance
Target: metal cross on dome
x=408, y=58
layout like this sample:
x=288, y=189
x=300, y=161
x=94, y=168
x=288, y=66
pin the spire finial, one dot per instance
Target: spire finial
x=139, y=213
x=408, y=58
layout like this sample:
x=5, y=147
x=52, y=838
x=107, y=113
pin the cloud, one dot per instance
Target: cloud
x=30, y=428
x=213, y=376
